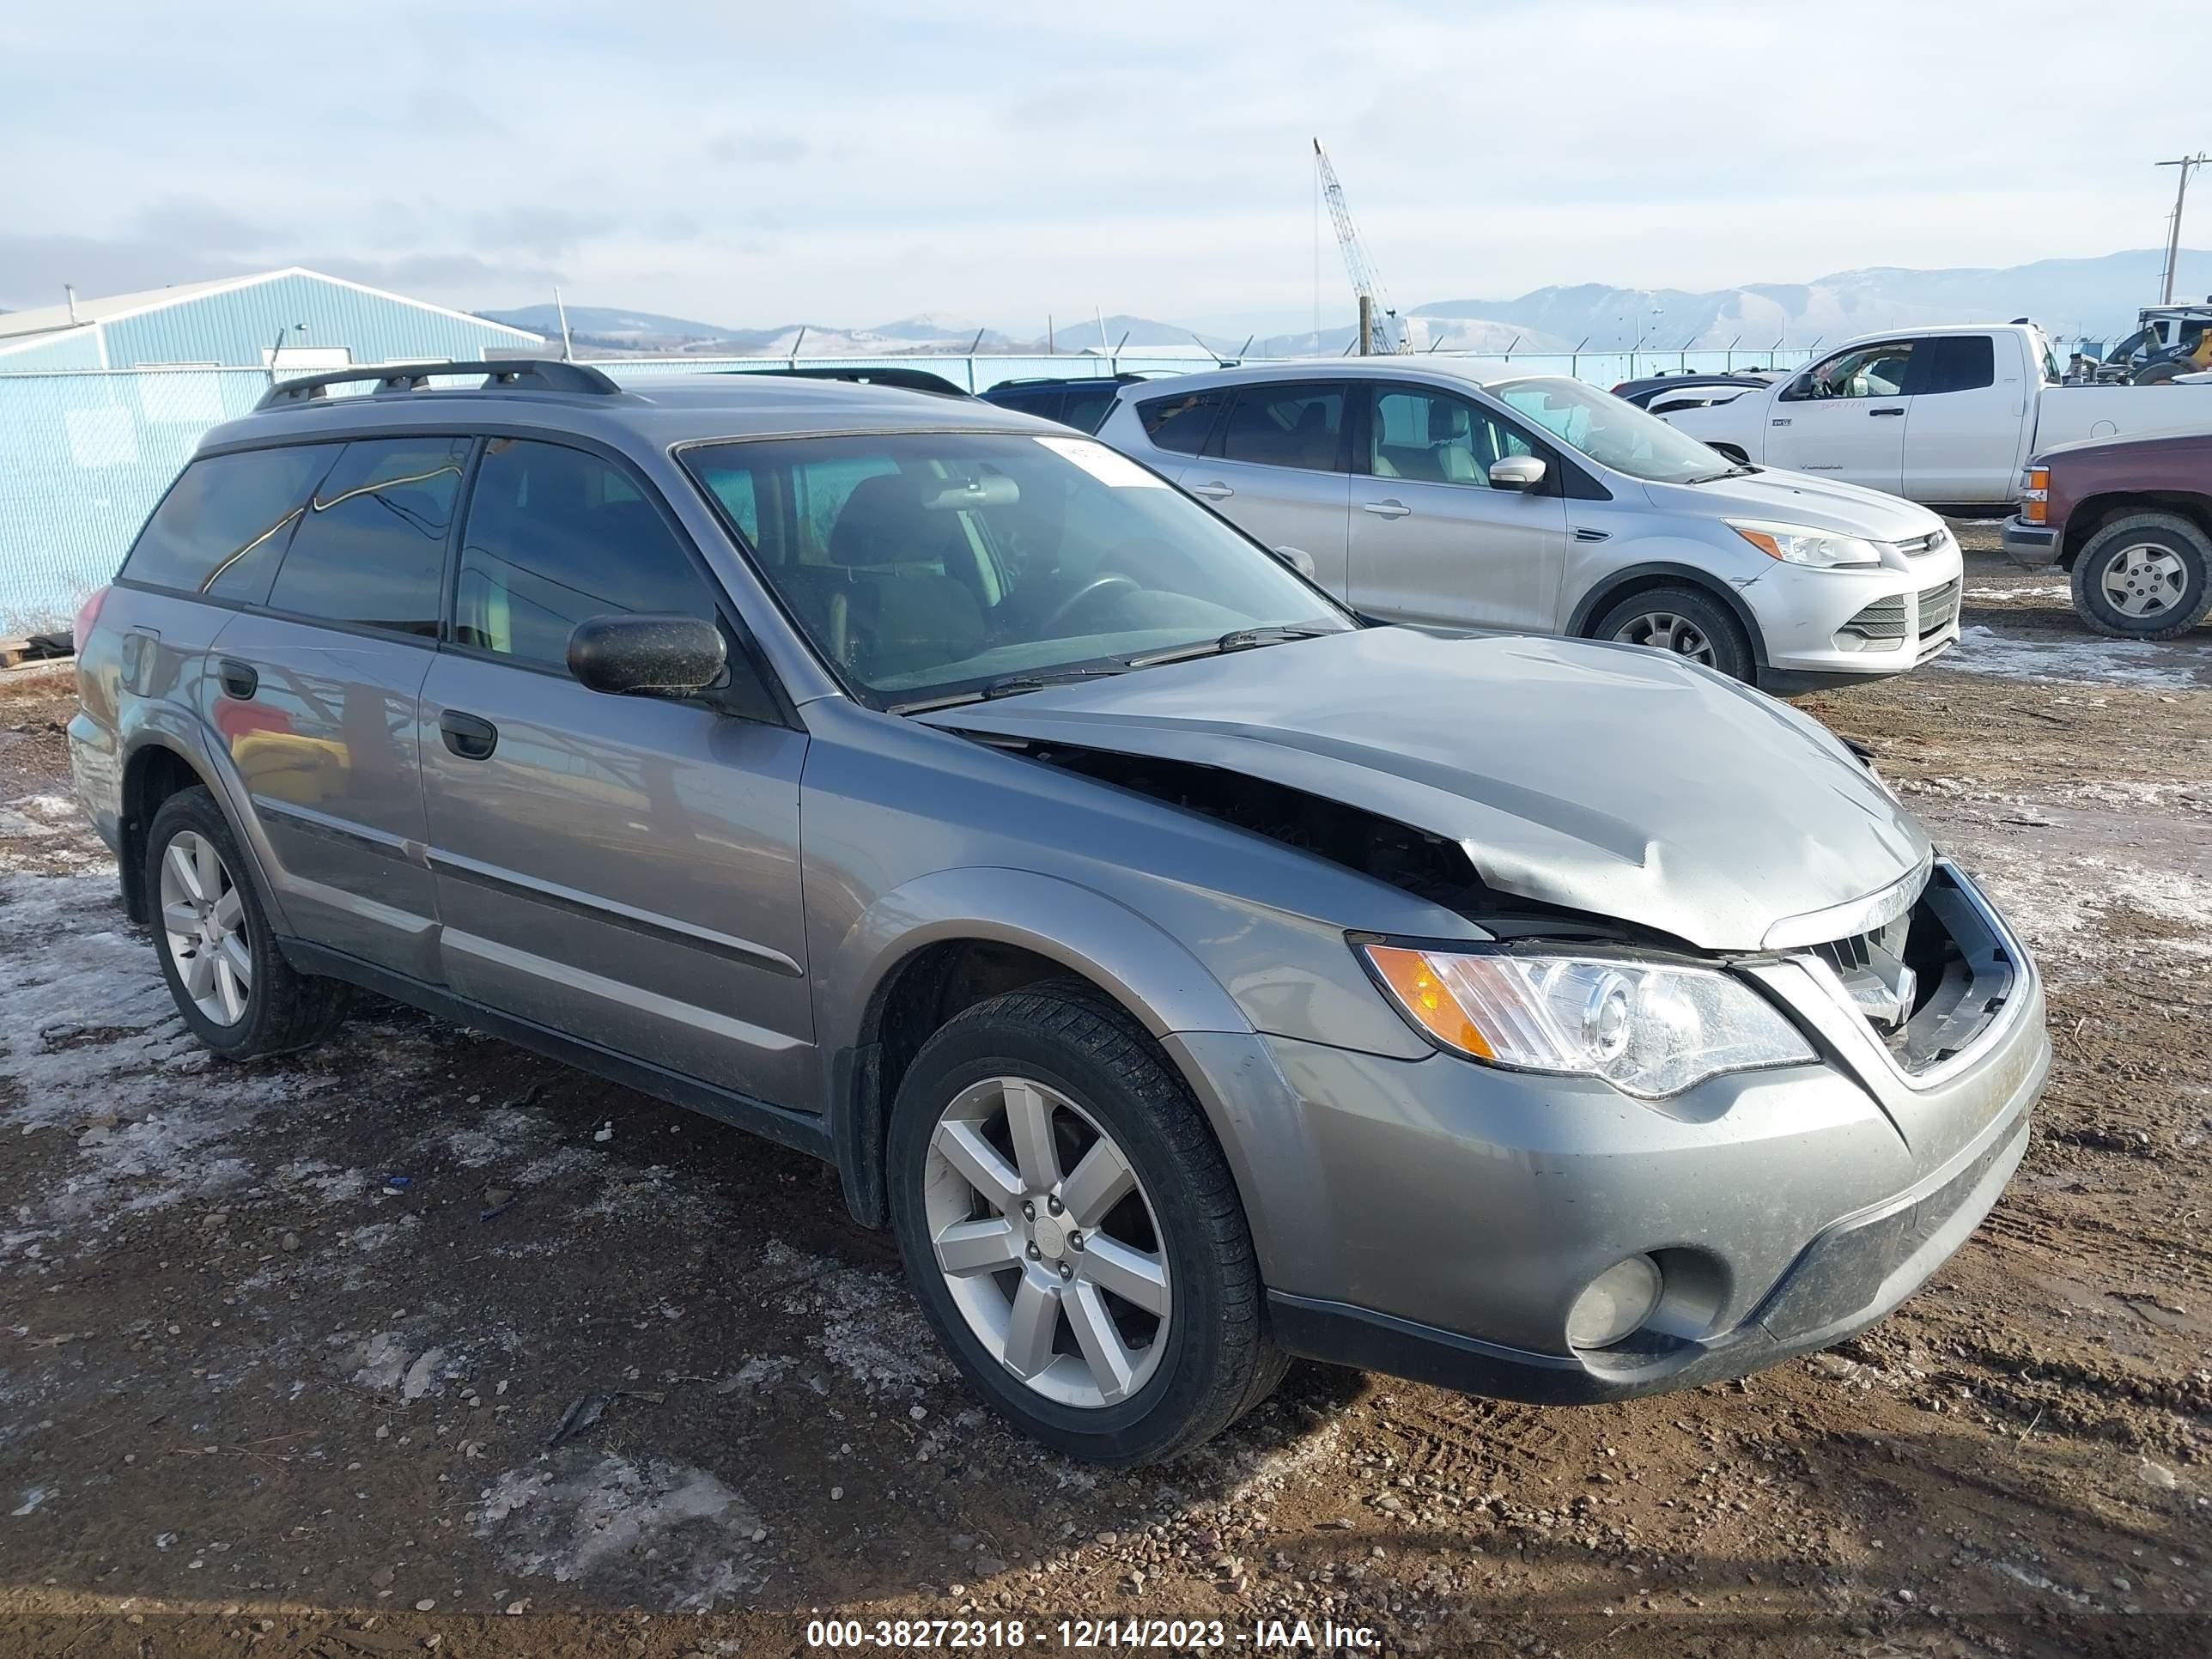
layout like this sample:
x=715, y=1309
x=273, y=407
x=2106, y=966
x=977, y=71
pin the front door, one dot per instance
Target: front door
x=621, y=870
x=1845, y=417
x=1432, y=543
x=1277, y=469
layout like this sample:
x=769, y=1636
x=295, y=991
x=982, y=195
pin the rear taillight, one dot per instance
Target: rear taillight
x=87, y=615
x=2035, y=495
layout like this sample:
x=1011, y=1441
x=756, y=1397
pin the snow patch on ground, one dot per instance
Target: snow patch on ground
x=677, y=1526
x=2170, y=667
x=90, y=1036
x=2058, y=904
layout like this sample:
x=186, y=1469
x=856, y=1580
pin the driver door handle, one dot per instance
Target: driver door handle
x=1216, y=491
x=468, y=735
x=1390, y=508
x=1876, y=414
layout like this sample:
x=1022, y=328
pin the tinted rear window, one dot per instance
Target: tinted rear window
x=1954, y=363
x=1275, y=425
x=222, y=528
x=1181, y=423
x=372, y=546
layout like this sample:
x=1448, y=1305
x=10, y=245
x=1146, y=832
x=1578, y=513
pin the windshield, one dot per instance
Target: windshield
x=1611, y=432
x=924, y=566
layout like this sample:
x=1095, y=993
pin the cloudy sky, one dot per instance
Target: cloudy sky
x=850, y=162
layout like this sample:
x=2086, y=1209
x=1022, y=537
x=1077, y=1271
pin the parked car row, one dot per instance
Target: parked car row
x=1190, y=969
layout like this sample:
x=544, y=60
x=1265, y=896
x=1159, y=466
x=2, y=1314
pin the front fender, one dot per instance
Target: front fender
x=1145, y=969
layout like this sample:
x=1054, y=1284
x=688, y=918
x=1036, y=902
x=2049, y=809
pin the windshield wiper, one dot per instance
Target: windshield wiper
x=1236, y=638
x=1733, y=472
x=1007, y=686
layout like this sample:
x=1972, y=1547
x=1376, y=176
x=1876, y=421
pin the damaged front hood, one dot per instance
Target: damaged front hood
x=1606, y=779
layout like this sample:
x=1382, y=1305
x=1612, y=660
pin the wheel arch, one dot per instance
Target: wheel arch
x=156, y=769
x=2093, y=512
x=923, y=952
x=1631, y=579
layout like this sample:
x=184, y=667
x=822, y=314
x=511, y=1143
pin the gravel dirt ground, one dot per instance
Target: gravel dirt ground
x=286, y=1349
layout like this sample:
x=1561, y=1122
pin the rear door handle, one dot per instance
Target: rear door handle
x=1876, y=414
x=1216, y=491
x=467, y=736
x=239, y=679
x=1390, y=508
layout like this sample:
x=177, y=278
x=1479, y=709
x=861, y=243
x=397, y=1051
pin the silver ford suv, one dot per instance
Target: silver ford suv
x=1191, y=976
x=1536, y=504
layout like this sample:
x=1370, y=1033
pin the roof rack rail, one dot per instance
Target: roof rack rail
x=903, y=379
x=532, y=374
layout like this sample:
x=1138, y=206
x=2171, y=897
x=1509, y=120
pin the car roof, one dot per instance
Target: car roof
x=1409, y=366
x=658, y=413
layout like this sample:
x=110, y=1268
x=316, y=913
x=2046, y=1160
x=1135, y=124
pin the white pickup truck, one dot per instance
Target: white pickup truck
x=1944, y=416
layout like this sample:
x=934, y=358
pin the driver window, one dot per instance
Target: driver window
x=1873, y=371
x=1435, y=438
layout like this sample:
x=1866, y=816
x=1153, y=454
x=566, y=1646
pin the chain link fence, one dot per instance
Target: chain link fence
x=84, y=456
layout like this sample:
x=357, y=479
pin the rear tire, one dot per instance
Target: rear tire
x=2144, y=577
x=221, y=961
x=1685, y=622
x=1022, y=1319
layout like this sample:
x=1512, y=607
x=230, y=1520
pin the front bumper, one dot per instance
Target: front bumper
x=2030, y=546
x=1462, y=1209
x=1834, y=627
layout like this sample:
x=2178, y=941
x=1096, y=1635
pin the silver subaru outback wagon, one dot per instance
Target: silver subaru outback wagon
x=1189, y=974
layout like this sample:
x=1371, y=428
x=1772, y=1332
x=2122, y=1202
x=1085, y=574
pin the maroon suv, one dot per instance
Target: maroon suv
x=2132, y=520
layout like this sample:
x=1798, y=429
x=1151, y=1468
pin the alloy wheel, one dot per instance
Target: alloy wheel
x=1663, y=630
x=2144, y=581
x=203, y=925
x=1048, y=1242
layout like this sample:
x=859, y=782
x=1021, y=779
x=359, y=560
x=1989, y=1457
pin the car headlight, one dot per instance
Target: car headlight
x=1647, y=1028
x=1794, y=543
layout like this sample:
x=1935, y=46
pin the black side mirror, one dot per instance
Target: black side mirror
x=648, y=656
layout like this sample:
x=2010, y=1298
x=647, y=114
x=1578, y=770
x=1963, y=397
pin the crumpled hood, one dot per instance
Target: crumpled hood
x=1801, y=498
x=1610, y=778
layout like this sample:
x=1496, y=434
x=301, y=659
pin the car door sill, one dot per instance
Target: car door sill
x=803, y=1132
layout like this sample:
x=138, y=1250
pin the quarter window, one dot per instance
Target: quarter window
x=1435, y=438
x=555, y=535
x=221, y=528
x=371, y=548
x=1182, y=423
x=1276, y=425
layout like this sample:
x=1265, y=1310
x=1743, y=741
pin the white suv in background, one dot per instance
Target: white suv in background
x=1539, y=505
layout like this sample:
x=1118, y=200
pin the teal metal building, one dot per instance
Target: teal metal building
x=295, y=319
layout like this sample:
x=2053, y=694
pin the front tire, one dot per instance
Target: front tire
x=1685, y=622
x=2144, y=577
x=221, y=960
x=1071, y=1231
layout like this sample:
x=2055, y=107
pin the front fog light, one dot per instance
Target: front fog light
x=1615, y=1302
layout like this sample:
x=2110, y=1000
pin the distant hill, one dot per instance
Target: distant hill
x=2093, y=298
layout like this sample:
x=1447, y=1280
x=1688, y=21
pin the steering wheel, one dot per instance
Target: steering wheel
x=1089, y=590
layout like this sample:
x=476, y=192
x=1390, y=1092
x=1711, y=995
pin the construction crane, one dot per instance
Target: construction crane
x=1387, y=333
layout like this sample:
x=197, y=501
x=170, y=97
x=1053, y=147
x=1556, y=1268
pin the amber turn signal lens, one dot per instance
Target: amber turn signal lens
x=1423, y=995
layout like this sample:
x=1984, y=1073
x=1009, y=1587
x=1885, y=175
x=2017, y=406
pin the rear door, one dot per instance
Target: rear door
x=1277, y=466
x=316, y=693
x=1845, y=417
x=1431, y=542
x=1963, y=419
x=621, y=870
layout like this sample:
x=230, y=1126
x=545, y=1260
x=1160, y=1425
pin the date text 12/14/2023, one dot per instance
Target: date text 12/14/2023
x=1181, y=1635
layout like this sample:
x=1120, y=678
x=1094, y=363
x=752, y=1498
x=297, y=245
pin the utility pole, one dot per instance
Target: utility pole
x=2186, y=164
x=1366, y=325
